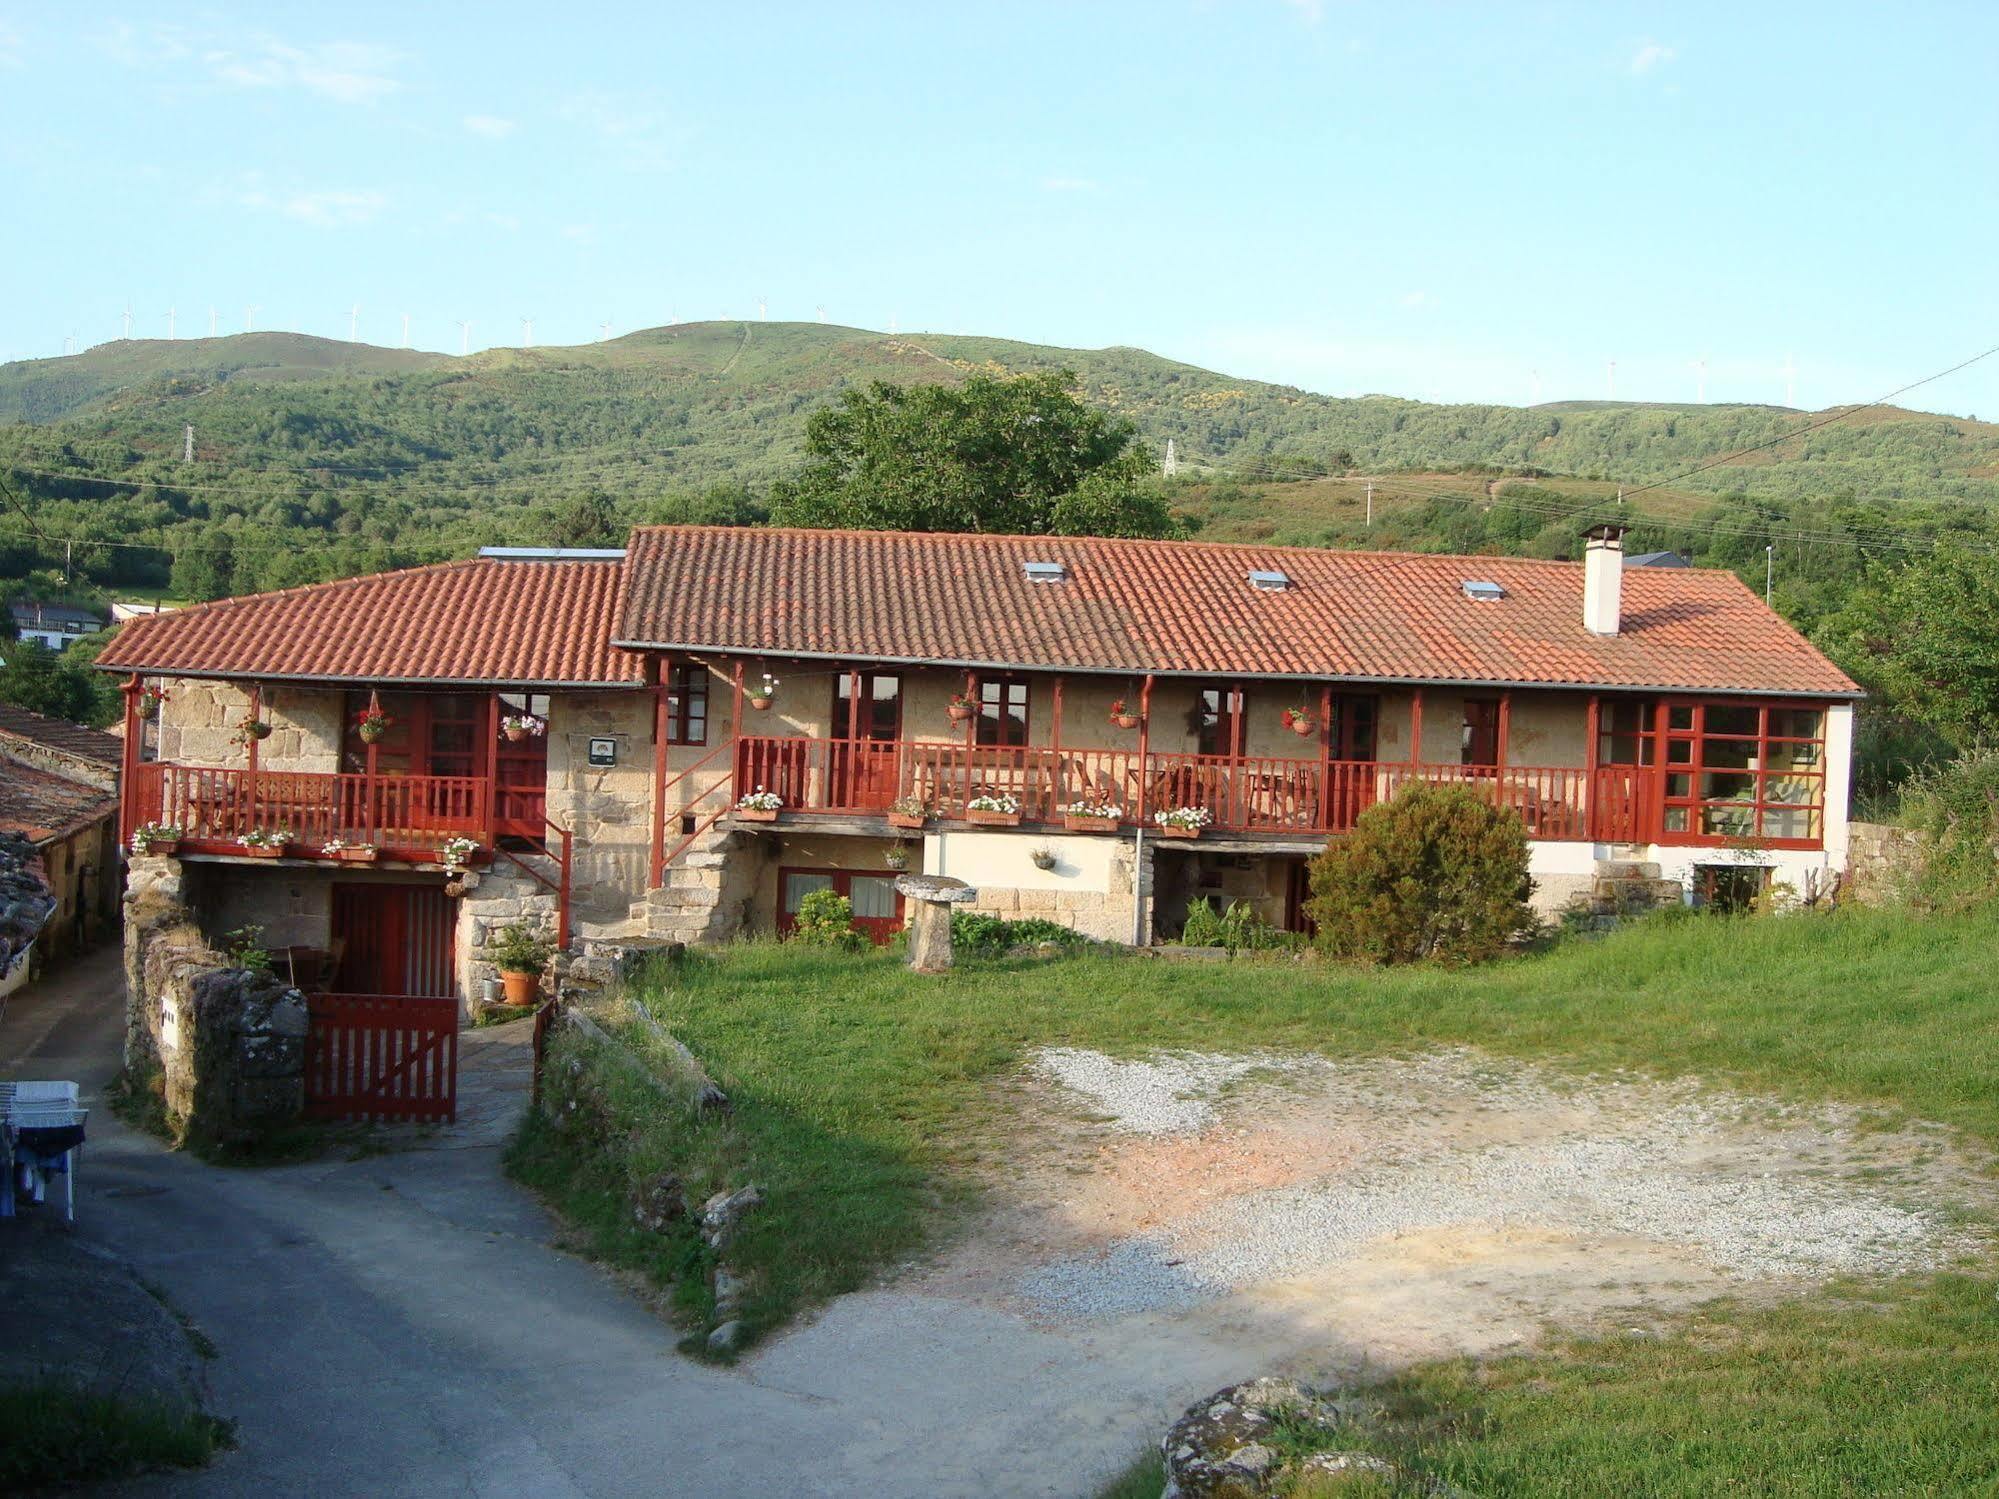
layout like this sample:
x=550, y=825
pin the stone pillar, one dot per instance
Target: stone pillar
x=930, y=932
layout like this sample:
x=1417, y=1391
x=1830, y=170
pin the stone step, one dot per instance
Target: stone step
x=1627, y=869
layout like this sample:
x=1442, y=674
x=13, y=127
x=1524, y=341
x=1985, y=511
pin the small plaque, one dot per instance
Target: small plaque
x=603, y=752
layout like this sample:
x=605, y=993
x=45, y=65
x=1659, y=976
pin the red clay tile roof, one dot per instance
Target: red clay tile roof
x=1188, y=608
x=42, y=806
x=60, y=734
x=514, y=623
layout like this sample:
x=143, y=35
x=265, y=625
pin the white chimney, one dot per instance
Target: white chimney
x=1603, y=580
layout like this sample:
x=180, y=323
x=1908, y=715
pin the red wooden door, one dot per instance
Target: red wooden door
x=394, y=939
x=864, y=767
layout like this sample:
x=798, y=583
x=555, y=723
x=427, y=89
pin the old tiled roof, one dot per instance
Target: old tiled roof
x=515, y=623
x=40, y=805
x=1188, y=608
x=61, y=734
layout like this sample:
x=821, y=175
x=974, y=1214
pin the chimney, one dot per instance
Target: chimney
x=1603, y=580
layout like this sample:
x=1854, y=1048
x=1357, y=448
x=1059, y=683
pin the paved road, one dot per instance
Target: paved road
x=399, y=1325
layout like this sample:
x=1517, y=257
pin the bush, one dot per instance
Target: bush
x=1955, y=808
x=1238, y=928
x=975, y=934
x=1438, y=872
x=826, y=919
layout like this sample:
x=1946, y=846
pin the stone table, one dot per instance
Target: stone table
x=930, y=932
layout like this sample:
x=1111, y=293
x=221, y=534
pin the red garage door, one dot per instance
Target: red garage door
x=394, y=939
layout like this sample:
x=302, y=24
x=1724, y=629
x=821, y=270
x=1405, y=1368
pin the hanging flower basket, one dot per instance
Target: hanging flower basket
x=250, y=727
x=1122, y=716
x=149, y=702
x=896, y=858
x=1300, y=721
x=961, y=707
x=520, y=726
x=763, y=694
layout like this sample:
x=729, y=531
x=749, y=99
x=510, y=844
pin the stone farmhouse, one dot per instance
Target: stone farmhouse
x=1018, y=712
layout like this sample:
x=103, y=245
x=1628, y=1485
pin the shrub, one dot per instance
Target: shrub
x=1438, y=872
x=1955, y=808
x=1238, y=928
x=520, y=949
x=826, y=919
x=975, y=934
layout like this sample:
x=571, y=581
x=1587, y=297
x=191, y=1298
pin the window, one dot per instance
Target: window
x=880, y=715
x=1625, y=732
x=429, y=734
x=1003, y=712
x=1478, y=740
x=687, y=706
x=1213, y=719
x=1740, y=771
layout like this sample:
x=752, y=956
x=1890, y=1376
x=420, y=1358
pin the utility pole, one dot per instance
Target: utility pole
x=1172, y=464
x=1370, y=505
x=1769, y=570
x=187, y=443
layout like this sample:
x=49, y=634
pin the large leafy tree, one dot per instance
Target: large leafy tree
x=1926, y=642
x=53, y=684
x=1009, y=456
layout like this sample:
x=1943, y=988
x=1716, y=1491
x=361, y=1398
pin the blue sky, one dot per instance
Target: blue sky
x=1451, y=202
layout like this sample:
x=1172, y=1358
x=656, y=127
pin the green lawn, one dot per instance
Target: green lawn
x=860, y=1088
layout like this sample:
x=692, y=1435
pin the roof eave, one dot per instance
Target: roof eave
x=251, y=675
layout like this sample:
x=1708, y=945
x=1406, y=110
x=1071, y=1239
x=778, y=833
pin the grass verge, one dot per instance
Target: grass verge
x=52, y=1433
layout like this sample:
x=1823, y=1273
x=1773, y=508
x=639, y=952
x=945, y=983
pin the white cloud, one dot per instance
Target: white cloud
x=1415, y=299
x=345, y=72
x=323, y=208
x=581, y=234
x=1311, y=12
x=640, y=134
x=491, y=126
x=12, y=44
x=1652, y=55
x=509, y=222
x=1069, y=184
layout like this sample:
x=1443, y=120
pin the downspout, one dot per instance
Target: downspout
x=1138, y=882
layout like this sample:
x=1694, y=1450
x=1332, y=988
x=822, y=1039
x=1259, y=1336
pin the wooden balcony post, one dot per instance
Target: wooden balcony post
x=971, y=732
x=488, y=815
x=1505, y=728
x=1325, y=756
x=128, y=760
x=734, y=792
x=658, y=676
x=370, y=797
x=1144, y=745
x=1416, y=727
x=1593, y=728
x=1060, y=780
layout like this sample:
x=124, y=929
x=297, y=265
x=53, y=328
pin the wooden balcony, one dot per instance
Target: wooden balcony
x=1245, y=794
x=404, y=816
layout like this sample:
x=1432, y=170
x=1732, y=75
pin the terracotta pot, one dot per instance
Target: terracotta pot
x=1301, y=726
x=959, y=712
x=760, y=704
x=993, y=819
x=1125, y=720
x=1073, y=824
x=265, y=851
x=515, y=736
x=1169, y=830
x=521, y=988
x=159, y=848
x=905, y=820
x=356, y=855
x=756, y=814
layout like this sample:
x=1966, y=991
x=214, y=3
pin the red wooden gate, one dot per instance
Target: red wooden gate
x=381, y=1056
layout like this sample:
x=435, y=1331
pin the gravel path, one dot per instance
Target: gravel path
x=1454, y=1141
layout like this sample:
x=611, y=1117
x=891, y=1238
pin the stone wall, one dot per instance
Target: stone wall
x=607, y=808
x=197, y=725
x=229, y=1044
x=1882, y=862
x=494, y=899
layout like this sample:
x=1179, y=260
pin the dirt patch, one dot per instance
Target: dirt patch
x=1396, y=1209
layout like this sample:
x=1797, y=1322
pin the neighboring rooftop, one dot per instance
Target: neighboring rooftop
x=512, y=623
x=32, y=614
x=42, y=806
x=60, y=735
x=1187, y=608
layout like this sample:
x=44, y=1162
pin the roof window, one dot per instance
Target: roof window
x=1482, y=592
x=1270, y=580
x=1045, y=572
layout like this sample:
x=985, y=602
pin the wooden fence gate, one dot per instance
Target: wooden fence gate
x=381, y=1056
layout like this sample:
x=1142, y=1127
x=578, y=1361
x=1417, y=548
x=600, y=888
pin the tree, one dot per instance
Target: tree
x=1003, y=456
x=589, y=519
x=1930, y=640
x=42, y=681
x=1437, y=872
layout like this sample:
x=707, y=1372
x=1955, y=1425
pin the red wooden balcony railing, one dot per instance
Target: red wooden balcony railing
x=214, y=807
x=1246, y=794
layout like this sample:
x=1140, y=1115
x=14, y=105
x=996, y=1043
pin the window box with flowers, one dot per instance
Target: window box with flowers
x=1182, y=822
x=908, y=812
x=759, y=806
x=457, y=853
x=349, y=853
x=521, y=726
x=1002, y=811
x=763, y=694
x=1122, y=716
x=158, y=838
x=264, y=843
x=1092, y=816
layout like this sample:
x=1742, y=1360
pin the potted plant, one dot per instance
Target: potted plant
x=1042, y=858
x=264, y=843
x=1299, y=721
x=250, y=727
x=1092, y=815
x=763, y=694
x=456, y=853
x=908, y=812
x=520, y=955
x=519, y=726
x=897, y=856
x=961, y=707
x=155, y=838
x=1183, y=822
x=349, y=853
x=759, y=806
x=150, y=700
x=989, y=811
x=1122, y=716
x=372, y=723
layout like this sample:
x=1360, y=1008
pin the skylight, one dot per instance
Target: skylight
x=1270, y=580
x=1045, y=572
x=1481, y=591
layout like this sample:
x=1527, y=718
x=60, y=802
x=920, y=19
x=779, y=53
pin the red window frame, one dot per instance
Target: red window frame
x=687, y=706
x=880, y=929
x=1692, y=766
x=419, y=722
x=1003, y=705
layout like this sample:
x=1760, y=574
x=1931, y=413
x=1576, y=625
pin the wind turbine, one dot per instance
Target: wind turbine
x=170, y=321
x=1790, y=381
x=1699, y=367
x=821, y=310
x=763, y=309
x=354, y=323
x=128, y=319
x=406, y=330
x=1612, y=373
x=603, y=331
x=527, y=333
x=248, y=313
x=1534, y=379
x=464, y=338
x=211, y=321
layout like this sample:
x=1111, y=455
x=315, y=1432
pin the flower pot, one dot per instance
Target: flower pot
x=959, y=712
x=756, y=814
x=520, y=988
x=905, y=820
x=898, y=865
x=1074, y=824
x=356, y=855
x=371, y=733
x=515, y=736
x=760, y=704
x=1125, y=720
x=258, y=730
x=1173, y=830
x=263, y=851
x=159, y=848
x=1301, y=726
x=993, y=819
